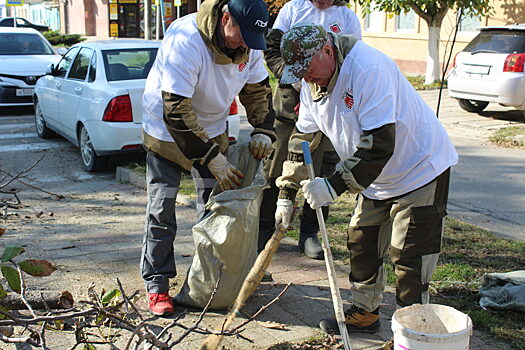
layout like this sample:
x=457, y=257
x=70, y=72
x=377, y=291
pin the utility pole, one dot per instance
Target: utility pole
x=158, y=25
x=147, y=19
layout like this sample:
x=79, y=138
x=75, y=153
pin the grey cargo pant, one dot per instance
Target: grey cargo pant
x=163, y=180
x=410, y=225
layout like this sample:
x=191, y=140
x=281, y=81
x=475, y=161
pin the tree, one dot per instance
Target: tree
x=433, y=12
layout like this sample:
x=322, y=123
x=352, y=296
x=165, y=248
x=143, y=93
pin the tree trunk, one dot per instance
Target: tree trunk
x=54, y=300
x=433, y=71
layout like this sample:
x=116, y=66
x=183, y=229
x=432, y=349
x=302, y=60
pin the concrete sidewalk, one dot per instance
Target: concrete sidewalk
x=306, y=302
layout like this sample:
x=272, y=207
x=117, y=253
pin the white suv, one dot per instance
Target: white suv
x=491, y=69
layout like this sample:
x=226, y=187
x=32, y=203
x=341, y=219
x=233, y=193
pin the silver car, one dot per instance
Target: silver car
x=491, y=69
x=24, y=56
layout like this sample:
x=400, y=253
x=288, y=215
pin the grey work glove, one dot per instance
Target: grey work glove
x=318, y=192
x=284, y=212
x=226, y=174
x=260, y=146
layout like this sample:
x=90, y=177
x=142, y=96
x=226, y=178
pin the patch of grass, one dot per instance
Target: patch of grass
x=512, y=136
x=418, y=82
x=468, y=252
x=186, y=186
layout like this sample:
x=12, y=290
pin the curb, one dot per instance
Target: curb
x=125, y=175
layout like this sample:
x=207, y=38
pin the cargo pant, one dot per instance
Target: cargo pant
x=324, y=161
x=163, y=180
x=411, y=226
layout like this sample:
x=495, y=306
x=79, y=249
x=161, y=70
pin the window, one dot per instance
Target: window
x=8, y=22
x=81, y=64
x=93, y=68
x=405, y=22
x=23, y=44
x=373, y=20
x=128, y=64
x=469, y=22
x=65, y=62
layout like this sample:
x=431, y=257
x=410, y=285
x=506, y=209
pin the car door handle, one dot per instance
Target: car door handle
x=78, y=90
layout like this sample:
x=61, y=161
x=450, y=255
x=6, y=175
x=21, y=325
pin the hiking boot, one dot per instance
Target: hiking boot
x=160, y=304
x=356, y=319
x=311, y=247
x=389, y=345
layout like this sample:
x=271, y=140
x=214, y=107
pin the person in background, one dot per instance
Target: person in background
x=205, y=60
x=336, y=17
x=395, y=155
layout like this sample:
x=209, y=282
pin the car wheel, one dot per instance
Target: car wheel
x=472, y=105
x=40, y=124
x=90, y=160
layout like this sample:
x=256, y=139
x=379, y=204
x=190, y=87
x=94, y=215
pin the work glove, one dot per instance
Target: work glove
x=260, y=146
x=284, y=212
x=318, y=192
x=226, y=174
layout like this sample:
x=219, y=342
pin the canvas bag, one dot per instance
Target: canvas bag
x=226, y=238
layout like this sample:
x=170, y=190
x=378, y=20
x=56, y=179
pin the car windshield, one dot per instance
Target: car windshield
x=23, y=44
x=498, y=41
x=128, y=64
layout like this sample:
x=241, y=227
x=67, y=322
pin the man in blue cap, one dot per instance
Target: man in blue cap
x=204, y=62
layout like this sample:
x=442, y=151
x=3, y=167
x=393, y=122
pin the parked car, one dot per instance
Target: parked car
x=22, y=23
x=490, y=69
x=24, y=56
x=93, y=98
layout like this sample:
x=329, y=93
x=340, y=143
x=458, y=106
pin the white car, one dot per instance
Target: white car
x=491, y=69
x=93, y=98
x=25, y=55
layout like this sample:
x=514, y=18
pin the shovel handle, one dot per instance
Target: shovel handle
x=329, y=261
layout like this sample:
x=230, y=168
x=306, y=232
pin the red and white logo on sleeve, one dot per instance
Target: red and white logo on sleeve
x=242, y=66
x=348, y=97
x=334, y=27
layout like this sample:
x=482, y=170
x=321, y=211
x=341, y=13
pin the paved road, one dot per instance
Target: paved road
x=488, y=185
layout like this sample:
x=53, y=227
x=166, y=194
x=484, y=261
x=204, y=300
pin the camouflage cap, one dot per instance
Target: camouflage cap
x=298, y=46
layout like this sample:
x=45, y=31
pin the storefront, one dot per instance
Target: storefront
x=126, y=17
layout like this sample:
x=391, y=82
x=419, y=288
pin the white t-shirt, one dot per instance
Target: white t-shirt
x=369, y=93
x=337, y=19
x=185, y=66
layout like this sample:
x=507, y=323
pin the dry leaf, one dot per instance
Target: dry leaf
x=2, y=230
x=272, y=325
x=39, y=214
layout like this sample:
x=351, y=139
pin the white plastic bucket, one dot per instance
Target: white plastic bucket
x=431, y=327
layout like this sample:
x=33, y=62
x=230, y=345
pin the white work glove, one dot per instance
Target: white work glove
x=225, y=173
x=318, y=192
x=284, y=212
x=260, y=146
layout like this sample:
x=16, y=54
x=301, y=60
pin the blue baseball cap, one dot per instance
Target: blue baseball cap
x=252, y=17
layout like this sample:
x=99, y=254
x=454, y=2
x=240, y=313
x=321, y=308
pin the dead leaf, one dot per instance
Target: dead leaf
x=272, y=325
x=39, y=268
x=50, y=214
x=2, y=230
x=39, y=214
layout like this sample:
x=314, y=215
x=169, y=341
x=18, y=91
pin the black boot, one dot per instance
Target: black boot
x=308, y=242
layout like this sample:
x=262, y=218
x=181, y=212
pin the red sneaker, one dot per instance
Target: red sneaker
x=160, y=304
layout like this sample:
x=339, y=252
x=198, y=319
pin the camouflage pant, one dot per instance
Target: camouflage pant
x=324, y=162
x=411, y=227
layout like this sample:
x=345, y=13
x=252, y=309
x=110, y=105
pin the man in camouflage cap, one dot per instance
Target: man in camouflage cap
x=395, y=155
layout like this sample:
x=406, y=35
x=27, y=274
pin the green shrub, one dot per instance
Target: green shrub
x=57, y=39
